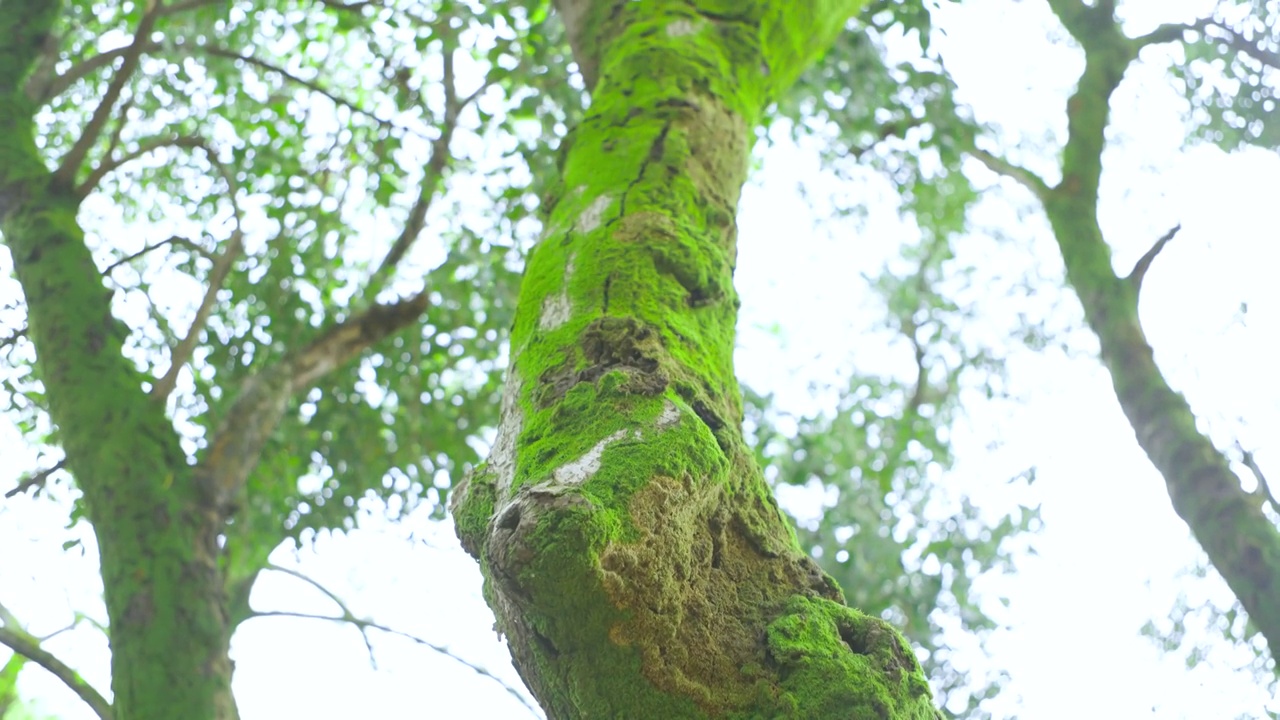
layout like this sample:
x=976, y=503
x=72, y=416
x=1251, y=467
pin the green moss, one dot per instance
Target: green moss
x=834, y=661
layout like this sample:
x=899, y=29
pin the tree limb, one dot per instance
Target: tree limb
x=145, y=147
x=28, y=646
x=1023, y=176
x=74, y=158
x=1264, y=487
x=217, y=278
x=172, y=240
x=256, y=412
x=347, y=615
x=36, y=479
x=432, y=176
x=441, y=649
x=1144, y=263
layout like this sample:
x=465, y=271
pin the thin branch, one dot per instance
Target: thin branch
x=999, y=165
x=1144, y=263
x=1234, y=41
x=308, y=84
x=62, y=82
x=1264, y=487
x=433, y=174
x=35, y=480
x=145, y=147
x=217, y=278
x=441, y=649
x=1169, y=32
x=347, y=615
x=13, y=337
x=174, y=240
x=74, y=159
x=28, y=646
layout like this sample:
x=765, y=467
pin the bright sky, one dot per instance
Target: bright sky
x=1111, y=552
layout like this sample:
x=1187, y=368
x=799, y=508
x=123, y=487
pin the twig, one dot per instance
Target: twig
x=1144, y=263
x=145, y=147
x=308, y=84
x=432, y=176
x=1264, y=488
x=999, y=165
x=13, y=337
x=75, y=157
x=217, y=277
x=28, y=646
x=441, y=649
x=36, y=479
x=174, y=240
x=347, y=615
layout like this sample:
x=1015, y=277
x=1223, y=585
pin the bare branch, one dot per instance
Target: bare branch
x=35, y=480
x=308, y=84
x=74, y=159
x=217, y=278
x=173, y=240
x=441, y=649
x=1144, y=263
x=999, y=165
x=144, y=148
x=28, y=646
x=347, y=615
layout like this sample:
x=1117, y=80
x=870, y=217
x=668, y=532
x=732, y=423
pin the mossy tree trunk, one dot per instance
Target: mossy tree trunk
x=156, y=530
x=1227, y=521
x=633, y=553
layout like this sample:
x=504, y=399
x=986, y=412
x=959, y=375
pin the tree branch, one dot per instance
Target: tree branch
x=1144, y=263
x=217, y=278
x=173, y=240
x=347, y=615
x=308, y=84
x=1000, y=166
x=1170, y=32
x=432, y=176
x=145, y=147
x=256, y=412
x=441, y=649
x=1234, y=41
x=1264, y=487
x=34, y=480
x=28, y=646
x=74, y=159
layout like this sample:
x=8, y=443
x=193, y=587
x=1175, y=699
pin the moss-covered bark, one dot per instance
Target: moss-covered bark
x=156, y=534
x=633, y=554
x=1243, y=545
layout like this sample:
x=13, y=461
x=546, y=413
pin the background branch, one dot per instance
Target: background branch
x=74, y=159
x=441, y=649
x=1000, y=166
x=28, y=646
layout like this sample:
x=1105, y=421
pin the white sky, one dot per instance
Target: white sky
x=1111, y=550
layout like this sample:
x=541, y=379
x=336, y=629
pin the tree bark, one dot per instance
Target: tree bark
x=633, y=553
x=156, y=530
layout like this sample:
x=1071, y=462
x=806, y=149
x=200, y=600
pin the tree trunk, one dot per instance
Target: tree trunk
x=633, y=553
x=157, y=535
x=1228, y=522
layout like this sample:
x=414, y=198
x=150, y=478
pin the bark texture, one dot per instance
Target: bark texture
x=633, y=553
x=1228, y=522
